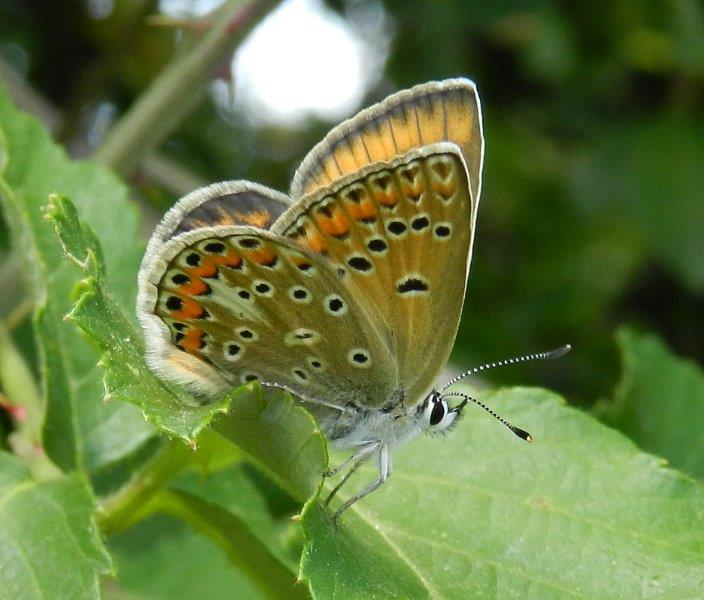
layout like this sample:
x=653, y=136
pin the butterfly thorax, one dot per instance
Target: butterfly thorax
x=361, y=425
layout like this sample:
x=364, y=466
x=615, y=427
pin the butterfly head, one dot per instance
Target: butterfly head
x=436, y=415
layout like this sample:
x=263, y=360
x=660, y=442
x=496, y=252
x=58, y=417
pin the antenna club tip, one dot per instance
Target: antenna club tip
x=524, y=435
x=558, y=352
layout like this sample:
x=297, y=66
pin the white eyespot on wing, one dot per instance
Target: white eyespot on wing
x=300, y=375
x=302, y=336
x=420, y=223
x=247, y=243
x=263, y=288
x=442, y=231
x=233, y=351
x=360, y=358
x=360, y=264
x=335, y=305
x=300, y=294
x=377, y=245
x=247, y=334
x=397, y=228
x=316, y=364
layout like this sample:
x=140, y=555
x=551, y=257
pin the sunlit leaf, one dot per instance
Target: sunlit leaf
x=580, y=513
x=79, y=430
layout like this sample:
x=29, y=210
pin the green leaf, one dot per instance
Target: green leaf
x=580, y=513
x=225, y=504
x=280, y=435
x=126, y=376
x=79, y=430
x=233, y=534
x=659, y=402
x=235, y=491
x=49, y=544
x=163, y=559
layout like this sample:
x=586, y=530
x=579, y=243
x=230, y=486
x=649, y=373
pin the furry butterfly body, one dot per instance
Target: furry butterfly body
x=348, y=292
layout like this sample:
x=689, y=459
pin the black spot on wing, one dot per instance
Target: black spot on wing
x=412, y=284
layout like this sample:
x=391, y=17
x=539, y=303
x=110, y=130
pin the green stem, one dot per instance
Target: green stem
x=263, y=569
x=147, y=493
x=179, y=87
x=19, y=313
x=130, y=504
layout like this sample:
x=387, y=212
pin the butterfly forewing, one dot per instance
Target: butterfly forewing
x=250, y=306
x=399, y=235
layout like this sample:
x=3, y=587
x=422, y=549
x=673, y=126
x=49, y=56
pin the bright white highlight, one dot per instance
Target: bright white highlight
x=303, y=59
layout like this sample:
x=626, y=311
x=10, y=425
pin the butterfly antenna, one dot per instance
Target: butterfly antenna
x=549, y=355
x=524, y=435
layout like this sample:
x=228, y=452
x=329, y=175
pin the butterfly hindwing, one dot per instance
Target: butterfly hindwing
x=246, y=304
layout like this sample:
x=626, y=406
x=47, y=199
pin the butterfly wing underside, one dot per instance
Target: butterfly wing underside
x=398, y=234
x=355, y=294
x=230, y=304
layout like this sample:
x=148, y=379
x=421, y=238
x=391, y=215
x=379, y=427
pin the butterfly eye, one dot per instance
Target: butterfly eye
x=438, y=412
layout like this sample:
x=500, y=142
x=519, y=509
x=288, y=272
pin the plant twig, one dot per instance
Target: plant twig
x=170, y=175
x=179, y=88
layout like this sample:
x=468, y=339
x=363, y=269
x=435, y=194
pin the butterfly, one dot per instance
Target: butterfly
x=347, y=292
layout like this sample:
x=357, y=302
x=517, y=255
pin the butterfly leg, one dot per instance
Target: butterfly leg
x=357, y=459
x=384, y=472
x=363, y=452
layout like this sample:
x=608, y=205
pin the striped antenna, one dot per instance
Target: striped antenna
x=550, y=354
x=524, y=435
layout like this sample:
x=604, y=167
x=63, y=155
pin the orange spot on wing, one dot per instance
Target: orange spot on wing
x=231, y=259
x=192, y=339
x=445, y=189
x=336, y=225
x=314, y=241
x=388, y=198
x=362, y=211
x=194, y=288
x=265, y=256
x=206, y=268
x=261, y=218
x=383, y=190
x=191, y=309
